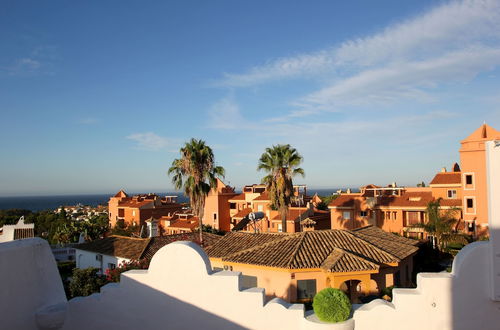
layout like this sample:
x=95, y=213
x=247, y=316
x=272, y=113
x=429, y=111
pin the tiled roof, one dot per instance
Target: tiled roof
x=401, y=247
x=447, y=178
x=484, y=132
x=189, y=224
x=345, y=200
x=243, y=213
x=134, y=203
x=451, y=202
x=121, y=193
x=408, y=199
x=238, y=241
x=118, y=246
x=157, y=243
x=240, y=197
x=263, y=197
x=21, y=233
x=292, y=214
x=331, y=250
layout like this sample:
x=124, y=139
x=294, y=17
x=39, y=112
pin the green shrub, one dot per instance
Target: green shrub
x=332, y=305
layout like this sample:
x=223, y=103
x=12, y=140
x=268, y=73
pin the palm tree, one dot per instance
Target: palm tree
x=441, y=225
x=281, y=163
x=196, y=173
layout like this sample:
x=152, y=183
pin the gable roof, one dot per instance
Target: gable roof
x=240, y=197
x=447, y=178
x=242, y=213
x=118, y=246
x=330, y=250
x=121, y=193
x=263, y=197
x=484, y=132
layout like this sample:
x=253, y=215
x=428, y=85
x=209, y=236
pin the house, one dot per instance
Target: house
x=178, y=223
x=20, y=230
x=399, y=209
x=296, y=266
x=473, y=179
x=216, y=211
x=109, y=252
x=135, y=210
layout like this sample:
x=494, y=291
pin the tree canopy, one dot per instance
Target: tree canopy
x=196, y=173
x=281, y=162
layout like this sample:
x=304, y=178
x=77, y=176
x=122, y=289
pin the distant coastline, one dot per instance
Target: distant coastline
x=39, y=203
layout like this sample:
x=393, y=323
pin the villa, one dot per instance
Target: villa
x=135, y=210
x=294, y=267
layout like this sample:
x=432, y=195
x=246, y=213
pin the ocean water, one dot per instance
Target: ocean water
x=38, y=203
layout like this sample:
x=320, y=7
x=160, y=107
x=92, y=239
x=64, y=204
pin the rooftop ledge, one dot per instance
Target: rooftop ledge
x=180, y=291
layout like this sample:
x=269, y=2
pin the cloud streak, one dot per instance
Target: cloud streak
x=150, y=141
x=408, y=60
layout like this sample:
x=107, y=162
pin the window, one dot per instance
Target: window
x=470, y=203
x=98, y=257
x=260, y=208
x=388, y=215
x=452, y=194
x=306, y=289
x=346, y=215
x=111, y=265
x=215, y=217
x=468, y=179
x=232, y=206
x=280, y=227
x=363, y=213
x=394, y=215
x=133, y=213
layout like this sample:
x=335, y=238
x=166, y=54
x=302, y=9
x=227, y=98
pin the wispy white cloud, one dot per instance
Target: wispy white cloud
x=405, y=61
x=150, y=141
x=40, y=60
x=225, y=114
x=408, y=80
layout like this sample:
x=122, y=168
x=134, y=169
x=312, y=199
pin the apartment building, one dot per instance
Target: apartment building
x=398, y=209
x=135, y=210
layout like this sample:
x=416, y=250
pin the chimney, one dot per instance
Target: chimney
x=443, y=170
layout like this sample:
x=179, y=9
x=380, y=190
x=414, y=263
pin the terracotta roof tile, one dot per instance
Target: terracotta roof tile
x=263, y=197
x=451, y=202
x=240, y=197
x=119, y=246
x=292, y=214
x=447, y=178
x=331, y=250
x=243, y=213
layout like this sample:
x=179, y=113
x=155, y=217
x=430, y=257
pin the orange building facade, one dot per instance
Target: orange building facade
x=398, y=209
x=135, y=210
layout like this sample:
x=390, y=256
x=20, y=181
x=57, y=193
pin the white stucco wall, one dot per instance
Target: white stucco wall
x=86, y=259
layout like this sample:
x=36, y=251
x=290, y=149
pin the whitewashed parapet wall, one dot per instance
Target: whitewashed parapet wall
x=179, y=291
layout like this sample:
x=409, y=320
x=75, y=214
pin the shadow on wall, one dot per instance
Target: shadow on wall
x=139, y=307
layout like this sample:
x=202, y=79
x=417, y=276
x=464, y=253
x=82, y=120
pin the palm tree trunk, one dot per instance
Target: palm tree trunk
x=201, y=230
x=283, y=222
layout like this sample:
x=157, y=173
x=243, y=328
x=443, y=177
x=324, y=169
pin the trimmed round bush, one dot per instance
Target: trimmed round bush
x=331, y=305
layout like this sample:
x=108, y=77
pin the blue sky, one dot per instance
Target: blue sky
x=97, y=96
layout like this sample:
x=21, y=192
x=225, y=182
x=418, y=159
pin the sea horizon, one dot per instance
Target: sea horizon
x=36, y=203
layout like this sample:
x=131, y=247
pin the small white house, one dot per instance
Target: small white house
x=20, y=230
x=109, y=252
